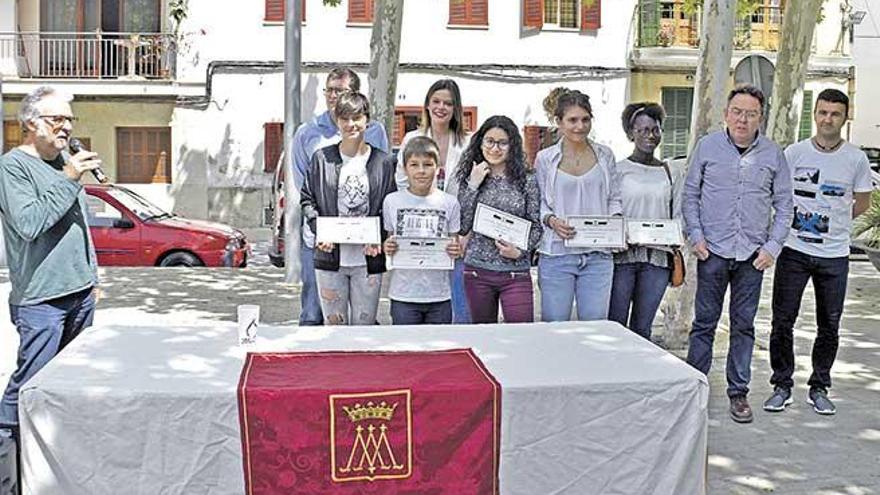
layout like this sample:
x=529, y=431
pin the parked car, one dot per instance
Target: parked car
x=276, y=245
x=128, y=230
x=873, y=157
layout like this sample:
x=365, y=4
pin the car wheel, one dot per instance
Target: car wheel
x=180, y=258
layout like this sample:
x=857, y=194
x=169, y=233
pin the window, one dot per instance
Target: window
x=361, y=11
x=409, y=118
x=11, y=134
x=469, y=12
x=101, y=213
x=275, y=10
x=805, y=126
x=273, y=143
x=143, y=155
x=585, y=15
x=536, y=138
x=676, y=128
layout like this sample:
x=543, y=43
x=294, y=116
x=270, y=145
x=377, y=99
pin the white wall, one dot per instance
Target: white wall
x=866, y=126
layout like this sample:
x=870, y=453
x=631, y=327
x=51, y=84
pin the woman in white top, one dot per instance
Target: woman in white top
x=576, y=177
x=650, y=189
x=442, y=121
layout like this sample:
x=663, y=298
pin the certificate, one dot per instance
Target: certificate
x=502, y=226
x=419, y=253
x=662, y=232
x=598, y=232
x=348, y=230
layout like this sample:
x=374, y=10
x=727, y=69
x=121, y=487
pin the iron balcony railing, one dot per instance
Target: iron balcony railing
x=88, y=55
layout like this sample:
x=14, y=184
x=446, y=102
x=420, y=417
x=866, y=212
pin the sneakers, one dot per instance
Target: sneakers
x=779, y=400
x=818, y=398
x=740, y=410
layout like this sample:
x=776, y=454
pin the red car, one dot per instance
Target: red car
x=128, y=230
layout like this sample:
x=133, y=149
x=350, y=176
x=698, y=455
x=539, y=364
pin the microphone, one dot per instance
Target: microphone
x=75, y=147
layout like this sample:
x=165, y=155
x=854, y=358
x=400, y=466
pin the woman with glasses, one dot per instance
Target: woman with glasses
x=443, y=121
x=349, y=179
x=577, y=177
x=650, y=190
x=492, y=171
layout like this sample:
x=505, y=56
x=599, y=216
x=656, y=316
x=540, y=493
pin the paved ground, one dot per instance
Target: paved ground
x=795, y=452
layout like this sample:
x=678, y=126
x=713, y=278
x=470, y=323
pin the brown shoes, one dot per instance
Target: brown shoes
x=740, y=410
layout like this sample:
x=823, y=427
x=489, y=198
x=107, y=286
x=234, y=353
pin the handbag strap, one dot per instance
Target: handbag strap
x=671, y=187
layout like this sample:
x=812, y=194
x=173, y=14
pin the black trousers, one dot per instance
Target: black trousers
x=793, y=270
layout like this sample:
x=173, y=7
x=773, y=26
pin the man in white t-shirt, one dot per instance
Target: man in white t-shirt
x=421, y=211
x=832, y=185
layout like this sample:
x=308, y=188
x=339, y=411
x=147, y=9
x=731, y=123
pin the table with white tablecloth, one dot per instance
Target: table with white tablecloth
x=587, y=407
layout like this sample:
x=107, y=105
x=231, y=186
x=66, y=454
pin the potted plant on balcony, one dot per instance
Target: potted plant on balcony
x=866, y=232
x=666, y=35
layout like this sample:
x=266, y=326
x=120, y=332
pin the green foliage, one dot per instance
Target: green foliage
x=744, y=8
x=332, y=3
x=178, y=10
x=867, y=227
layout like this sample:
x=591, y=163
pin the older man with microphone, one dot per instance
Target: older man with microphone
x=52, y=264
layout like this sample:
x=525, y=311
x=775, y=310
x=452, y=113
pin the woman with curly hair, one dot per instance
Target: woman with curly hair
x=650, y=189
x=492, y=171
x=576, y=177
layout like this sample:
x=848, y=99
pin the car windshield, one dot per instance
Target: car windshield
x=138, y=205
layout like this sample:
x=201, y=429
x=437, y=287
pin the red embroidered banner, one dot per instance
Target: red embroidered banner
x=369, y=422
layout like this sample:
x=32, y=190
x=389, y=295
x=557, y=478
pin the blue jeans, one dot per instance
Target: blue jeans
x=460, y=312
x=636, y=294
x=793, y=270
x=44, y=329
x=308, y=298
x=410, y=313
x=569, y=277
x=713, y=276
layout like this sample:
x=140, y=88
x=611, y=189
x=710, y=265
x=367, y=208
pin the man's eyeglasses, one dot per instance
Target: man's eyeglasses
x=748, y=114
x=490, y=143
x=335, y=91
x=58, y=120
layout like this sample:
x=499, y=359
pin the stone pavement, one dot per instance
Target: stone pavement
x=794, y=452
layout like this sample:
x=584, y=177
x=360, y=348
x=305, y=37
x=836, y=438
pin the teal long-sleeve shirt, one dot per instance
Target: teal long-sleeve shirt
x=48, y=245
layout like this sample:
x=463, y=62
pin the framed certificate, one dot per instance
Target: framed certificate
x=502, y=226
x=663, y=232
x=348, y=230
x=421, y=253
x=598, y=232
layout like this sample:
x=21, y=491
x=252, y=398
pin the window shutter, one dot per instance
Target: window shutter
x=469, y=12
x=805, y=127
x=275, y=10
x=532, y=142
x=143, y=155
x=469, y=115
x=360, y=11
x=533, y=13
x=12, y=135
x=273, y=143
x=591, y=15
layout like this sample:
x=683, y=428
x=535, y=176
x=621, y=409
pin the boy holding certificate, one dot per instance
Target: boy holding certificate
x=423, y=223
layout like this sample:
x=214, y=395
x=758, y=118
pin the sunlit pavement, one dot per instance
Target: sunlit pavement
x=793, y=452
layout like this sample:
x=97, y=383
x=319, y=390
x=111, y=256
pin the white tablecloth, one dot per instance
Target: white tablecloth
x=587, y=408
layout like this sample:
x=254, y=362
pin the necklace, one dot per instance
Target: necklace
x=827, y=148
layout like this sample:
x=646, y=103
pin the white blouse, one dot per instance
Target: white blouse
x=453, y=155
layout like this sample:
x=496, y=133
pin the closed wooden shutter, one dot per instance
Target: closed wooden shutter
x=533, y=135
x=360, y=11
x=143, y=155
x=273, y=143
x=678, y=103
x=469, y=116
x=805, y=126
x=469, y=12
x=533, y=13
x=649, y=22
x=591, y=15
x=275, y=10
x=11, y=134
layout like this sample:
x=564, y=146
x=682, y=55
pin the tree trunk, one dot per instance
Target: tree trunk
x=710, y=99
x=798, y=26
x=384, y=56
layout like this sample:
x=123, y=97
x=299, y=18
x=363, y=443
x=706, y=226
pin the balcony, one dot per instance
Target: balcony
x=667, y=24
x=87, y=55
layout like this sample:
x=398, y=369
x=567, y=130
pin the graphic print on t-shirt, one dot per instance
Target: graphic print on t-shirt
x=420, y=222
x=812, y=219
x=353, y=194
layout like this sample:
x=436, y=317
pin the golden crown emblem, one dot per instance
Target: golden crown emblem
x=360, y=412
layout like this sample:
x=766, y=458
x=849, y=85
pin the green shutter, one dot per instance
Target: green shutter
x=649, y=22
x=678, y=103
x=805, y=127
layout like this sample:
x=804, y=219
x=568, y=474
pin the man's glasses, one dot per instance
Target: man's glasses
x=490, y=143
x=335, y=91
x=58, y=120
x=748, y=114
